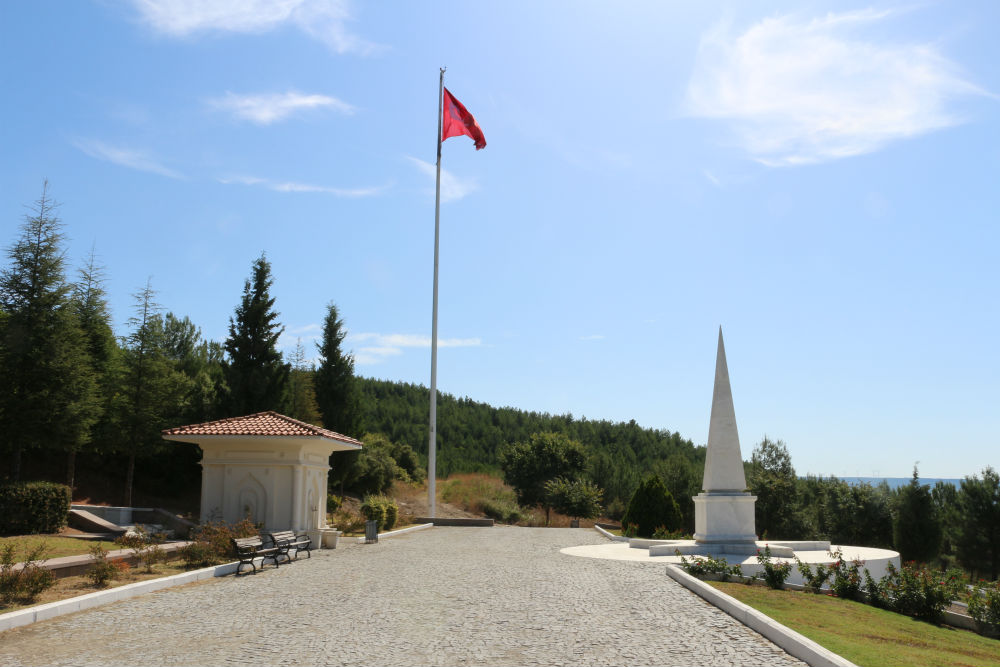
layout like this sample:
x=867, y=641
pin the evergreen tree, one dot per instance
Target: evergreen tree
x=335, y=387
x=255, y=372
x=651, y=508
x=49, y=394
x=301, y=396
x=90, y=305
x=916, y=528
x=152, y=389
x=201, y=362
x=979, y=531
x=772, y=479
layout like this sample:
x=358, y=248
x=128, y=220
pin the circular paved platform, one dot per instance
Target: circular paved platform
x=443, y=596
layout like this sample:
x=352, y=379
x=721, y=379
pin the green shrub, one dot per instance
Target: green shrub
x=702, y=565
x=26, y=583
x=580, y=499
x=391, y=514
x=814, y=581
x=651, y=507
x=506, y=511
x=846, y=578
x=878, y=591
x=774, y=573
x=333, y=503
x=144, y=547
x=33, y=507
x=662, y=533
x=615, y=509
x=347, y=521
x=103, y=570
x=917, y=591
x=984, y=604
x=380, y=509
x=199, y=554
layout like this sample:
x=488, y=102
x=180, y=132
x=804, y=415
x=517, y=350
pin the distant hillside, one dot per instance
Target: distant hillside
x=470, y=433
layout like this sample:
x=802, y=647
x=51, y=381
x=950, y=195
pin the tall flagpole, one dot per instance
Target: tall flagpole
x=432, y=437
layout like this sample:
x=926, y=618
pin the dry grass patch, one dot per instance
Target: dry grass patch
x=867, y=636
x=71, y=587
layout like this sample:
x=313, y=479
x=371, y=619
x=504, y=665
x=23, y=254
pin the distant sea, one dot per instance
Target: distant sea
x=896, y=482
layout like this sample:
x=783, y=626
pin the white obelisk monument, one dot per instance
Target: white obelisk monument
x=724, y=513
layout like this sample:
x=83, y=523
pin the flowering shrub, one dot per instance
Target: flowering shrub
x=813, y=580
x=915, y=591
x=846, y=578
x=774, y=573
x=700, y=566
x=984, y=604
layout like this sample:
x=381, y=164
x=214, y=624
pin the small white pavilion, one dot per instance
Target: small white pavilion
x=265, y=466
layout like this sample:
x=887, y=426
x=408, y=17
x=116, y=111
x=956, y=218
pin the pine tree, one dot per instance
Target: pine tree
x=336, y=390
x=301, y=396
x=90, y=305
x=49, y=395
x=201, y=362
x=151, y=390
x=916, y=528
x=256, y=375
x=979, y=525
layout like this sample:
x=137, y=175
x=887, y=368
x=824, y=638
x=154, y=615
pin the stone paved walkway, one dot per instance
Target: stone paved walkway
x=443, y=596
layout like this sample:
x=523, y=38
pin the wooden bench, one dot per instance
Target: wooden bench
x=248, y=548
x=285, y=540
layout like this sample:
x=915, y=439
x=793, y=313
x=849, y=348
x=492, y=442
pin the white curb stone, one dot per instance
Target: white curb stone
x=42, y=612
x=795, y=644
x=610, y=536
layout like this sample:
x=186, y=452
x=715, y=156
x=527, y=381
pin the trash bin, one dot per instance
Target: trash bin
x=371, y=532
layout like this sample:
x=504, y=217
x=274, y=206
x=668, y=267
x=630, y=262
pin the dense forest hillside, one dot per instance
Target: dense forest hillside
x=470, y=434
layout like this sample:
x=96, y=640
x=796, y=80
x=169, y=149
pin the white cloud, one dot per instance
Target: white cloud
x=324, y=20
x=126, y=157
x=593, y=337
x=380, y=347
x=267, y=109
x=452, y=188
x=798, y=92
x=289, y=186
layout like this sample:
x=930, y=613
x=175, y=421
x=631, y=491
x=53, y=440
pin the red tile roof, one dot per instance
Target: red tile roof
x=261, y=423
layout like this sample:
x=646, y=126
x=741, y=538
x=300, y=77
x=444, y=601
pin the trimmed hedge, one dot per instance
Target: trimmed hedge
x=27, y=508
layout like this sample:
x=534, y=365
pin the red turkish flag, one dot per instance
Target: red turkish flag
x=458, y=121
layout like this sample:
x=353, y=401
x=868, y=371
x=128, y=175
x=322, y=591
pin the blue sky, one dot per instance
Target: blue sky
x=818, y=178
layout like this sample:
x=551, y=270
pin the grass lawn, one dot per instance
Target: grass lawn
x=867, y=636
x=71, y=587
x=57, y=546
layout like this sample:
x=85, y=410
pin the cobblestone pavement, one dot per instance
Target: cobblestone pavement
x=443, y=596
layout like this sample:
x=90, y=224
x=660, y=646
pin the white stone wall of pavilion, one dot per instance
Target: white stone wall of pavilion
x=278, y=482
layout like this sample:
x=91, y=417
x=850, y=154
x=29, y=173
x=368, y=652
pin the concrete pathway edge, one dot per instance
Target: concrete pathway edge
x=15, y=619
x=610, y=536
x=792, y=642
x=393, y=533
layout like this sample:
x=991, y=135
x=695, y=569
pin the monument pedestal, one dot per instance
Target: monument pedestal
x=723, y=517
